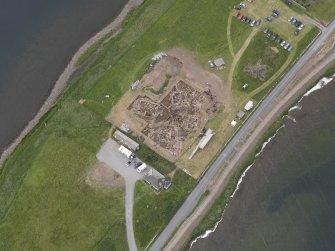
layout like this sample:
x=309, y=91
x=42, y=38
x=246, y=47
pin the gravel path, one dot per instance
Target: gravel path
x=62, y=81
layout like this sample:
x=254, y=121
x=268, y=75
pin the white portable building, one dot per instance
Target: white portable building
x=249, y=105
x=141, y=168
x=129, y=154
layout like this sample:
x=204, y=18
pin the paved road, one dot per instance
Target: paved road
x=195, y=195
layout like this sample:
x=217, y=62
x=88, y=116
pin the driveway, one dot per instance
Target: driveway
x=110, y=155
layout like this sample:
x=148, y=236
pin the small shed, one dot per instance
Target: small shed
x=233, y=123
x=219, y=63
x=125, y=128
x=125, y=140
x=166, y=183
x=240, y=115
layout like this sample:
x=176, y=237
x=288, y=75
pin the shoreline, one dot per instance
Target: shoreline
x=62, y=82
x=184, y=231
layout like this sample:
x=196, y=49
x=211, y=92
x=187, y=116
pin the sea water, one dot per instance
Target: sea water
x=38, y=39
x=286, y=200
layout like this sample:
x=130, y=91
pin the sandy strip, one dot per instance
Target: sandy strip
x=63, y=80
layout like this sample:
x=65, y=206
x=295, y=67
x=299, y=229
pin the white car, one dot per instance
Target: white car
x=290, y=19
x=301, y=26
x=283, y=43
x=243, y=5
x=286, y=46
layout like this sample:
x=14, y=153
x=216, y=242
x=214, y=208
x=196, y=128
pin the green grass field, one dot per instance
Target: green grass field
x=323, y=10
x=153, y=211
x=261, y=50
x=45, y=202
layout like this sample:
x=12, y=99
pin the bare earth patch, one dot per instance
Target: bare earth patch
x=275, y=49
x=258, y=70
x=102, y=174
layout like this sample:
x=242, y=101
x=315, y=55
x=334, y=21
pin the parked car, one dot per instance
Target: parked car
x=290, y=48
x=268, y=18
x=137, y=164
x=279, y=40
x=283, y=43
x=286, y=46
x=128, y=163
x=298, y=23
x=290, y=19
x=237, y=7
x=266, y=31
x=253, y=23
x=296, y=32
x=274, y=37
x=243, y=5
x=301, y=27
x=294, y=21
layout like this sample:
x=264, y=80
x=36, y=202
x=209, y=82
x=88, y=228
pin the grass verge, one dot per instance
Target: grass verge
x=153, y=211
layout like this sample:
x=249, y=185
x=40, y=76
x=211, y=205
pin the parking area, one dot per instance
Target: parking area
x=110, y=155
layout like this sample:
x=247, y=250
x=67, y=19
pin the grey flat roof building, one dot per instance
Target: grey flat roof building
x=154, y=182
x=125, y=140
x=219, y=62
x=240, y=114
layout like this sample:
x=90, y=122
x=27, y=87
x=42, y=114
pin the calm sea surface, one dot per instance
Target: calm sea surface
x=287, y=199
x=38, y=39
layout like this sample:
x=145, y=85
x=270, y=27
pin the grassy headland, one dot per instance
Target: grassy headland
x=45, y=200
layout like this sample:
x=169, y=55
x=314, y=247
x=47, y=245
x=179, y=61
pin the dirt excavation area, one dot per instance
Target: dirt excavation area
x=170, y=105
x=102, y=174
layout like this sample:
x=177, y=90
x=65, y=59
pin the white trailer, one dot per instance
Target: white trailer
x=141, y=168
x=249, y=105
x=129, y=154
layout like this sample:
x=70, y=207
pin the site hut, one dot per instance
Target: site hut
x=248, y=106
x=219, y=63
x=240, y=115
x=125, y=140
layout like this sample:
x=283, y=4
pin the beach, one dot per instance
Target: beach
x=50, y=97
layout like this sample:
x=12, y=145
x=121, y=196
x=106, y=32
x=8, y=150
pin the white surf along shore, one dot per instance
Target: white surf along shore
x=322, y=83
x=114, y=28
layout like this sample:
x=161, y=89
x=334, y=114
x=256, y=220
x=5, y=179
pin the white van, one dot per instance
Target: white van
x=141, y=168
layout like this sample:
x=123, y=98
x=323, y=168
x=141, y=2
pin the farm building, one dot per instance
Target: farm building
x=154, y=182
x=157, y=183
x=125, y=140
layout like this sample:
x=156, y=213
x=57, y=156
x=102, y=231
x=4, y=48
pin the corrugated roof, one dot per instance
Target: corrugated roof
x=125, y=140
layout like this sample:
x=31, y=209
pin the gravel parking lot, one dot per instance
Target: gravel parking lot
x=110, y=155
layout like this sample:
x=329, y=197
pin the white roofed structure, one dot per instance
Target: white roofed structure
x=249, y=105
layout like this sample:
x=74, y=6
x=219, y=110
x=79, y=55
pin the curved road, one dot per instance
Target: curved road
x=192, y=200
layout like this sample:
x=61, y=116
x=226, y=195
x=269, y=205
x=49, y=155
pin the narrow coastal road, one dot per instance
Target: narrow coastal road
x=192, y=200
